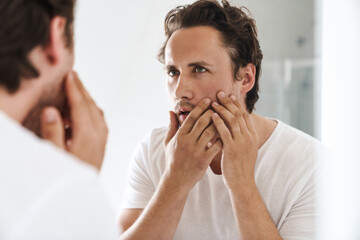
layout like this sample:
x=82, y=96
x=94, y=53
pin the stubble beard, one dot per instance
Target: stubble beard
x=52, y=96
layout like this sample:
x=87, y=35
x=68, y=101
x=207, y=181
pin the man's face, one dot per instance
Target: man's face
x=53, y=91
x=198, y=66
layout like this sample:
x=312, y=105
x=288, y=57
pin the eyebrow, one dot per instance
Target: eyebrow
x=199, y=63
x=193, y=64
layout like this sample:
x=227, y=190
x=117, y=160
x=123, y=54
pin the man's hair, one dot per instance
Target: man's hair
x=238, y=32
x=25, y=24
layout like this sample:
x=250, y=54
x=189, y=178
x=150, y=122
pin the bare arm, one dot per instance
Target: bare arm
x=238, y=162
x=160, y=218
x=127, y=218
x=252, y=217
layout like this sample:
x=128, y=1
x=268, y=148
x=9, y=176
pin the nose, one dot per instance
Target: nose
x=184, y=88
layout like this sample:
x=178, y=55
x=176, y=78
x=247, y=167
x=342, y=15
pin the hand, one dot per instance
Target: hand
x=88, y=127
x=187, y=151
x=240, y=141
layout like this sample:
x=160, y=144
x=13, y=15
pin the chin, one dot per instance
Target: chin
x=32, y=121
x=52, y=96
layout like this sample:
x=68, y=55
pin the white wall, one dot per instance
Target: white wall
x=116, y=47
x=285, y=27
x=340, y=125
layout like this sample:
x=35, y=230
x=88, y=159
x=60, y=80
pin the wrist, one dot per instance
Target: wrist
x=170, y=182
x=242, y=190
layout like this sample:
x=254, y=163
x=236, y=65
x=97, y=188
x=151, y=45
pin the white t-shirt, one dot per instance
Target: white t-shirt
x=46, y=193
x=286, y=173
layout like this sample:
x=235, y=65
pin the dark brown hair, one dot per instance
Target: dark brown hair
x=24, y=24
x=238, y=31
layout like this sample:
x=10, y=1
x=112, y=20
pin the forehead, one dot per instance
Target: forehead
x=195, y=44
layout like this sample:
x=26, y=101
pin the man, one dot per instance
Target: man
x=219, y=171
x=47, y=192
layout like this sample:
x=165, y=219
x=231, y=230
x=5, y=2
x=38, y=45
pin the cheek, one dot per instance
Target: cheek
x=170, y=85
x=171, y=89
x=211, y=90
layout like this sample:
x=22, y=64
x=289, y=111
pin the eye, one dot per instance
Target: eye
x=172, y=73
x=199, y=69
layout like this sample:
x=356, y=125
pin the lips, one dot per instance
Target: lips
x=182, y=109
x=184, y=112
x=183, y=115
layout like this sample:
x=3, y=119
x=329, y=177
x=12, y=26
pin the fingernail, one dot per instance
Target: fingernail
x=207, y=101
x=50, y=116
x=215, y=115
x=71, y=76
x=222, y=94
x=215, y=104
x=233, y=98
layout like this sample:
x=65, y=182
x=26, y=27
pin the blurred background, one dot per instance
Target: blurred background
x=310, y=80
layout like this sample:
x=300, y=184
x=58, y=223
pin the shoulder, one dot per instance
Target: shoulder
x=292, y=151
x=294, y=141
x=294, y=159
x=37, y=178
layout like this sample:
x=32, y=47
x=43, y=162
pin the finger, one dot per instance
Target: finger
x=245, y=115
x=194, y=115
x=97, y=115
x=227, y=102
x=173, y=127
x=214, y=149
x=237, y=103
x=201, y=124
x=81, y=87
x=97, y=112
x=80, y=101
x=79, y=110
x=224, y=132
x=208, y=134
x=249, y=123
x=75, y=97
x=52, y=127
x=83, y=110
x=229, y=119
x=88, y=127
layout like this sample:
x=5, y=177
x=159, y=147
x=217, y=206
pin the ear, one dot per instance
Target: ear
x=56, y=40
x=246, y=75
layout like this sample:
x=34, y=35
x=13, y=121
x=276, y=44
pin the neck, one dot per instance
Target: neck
x=264, y=127
x=16, y=105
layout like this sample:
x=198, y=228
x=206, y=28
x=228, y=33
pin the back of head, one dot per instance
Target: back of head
x=24, y=24
x=238, y=31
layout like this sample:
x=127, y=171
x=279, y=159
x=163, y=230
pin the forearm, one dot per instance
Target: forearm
x=252, y=217
x=160, y=218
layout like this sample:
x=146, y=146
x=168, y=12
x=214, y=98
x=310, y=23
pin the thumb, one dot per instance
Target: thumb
x=173, y=127
x=52, y=127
